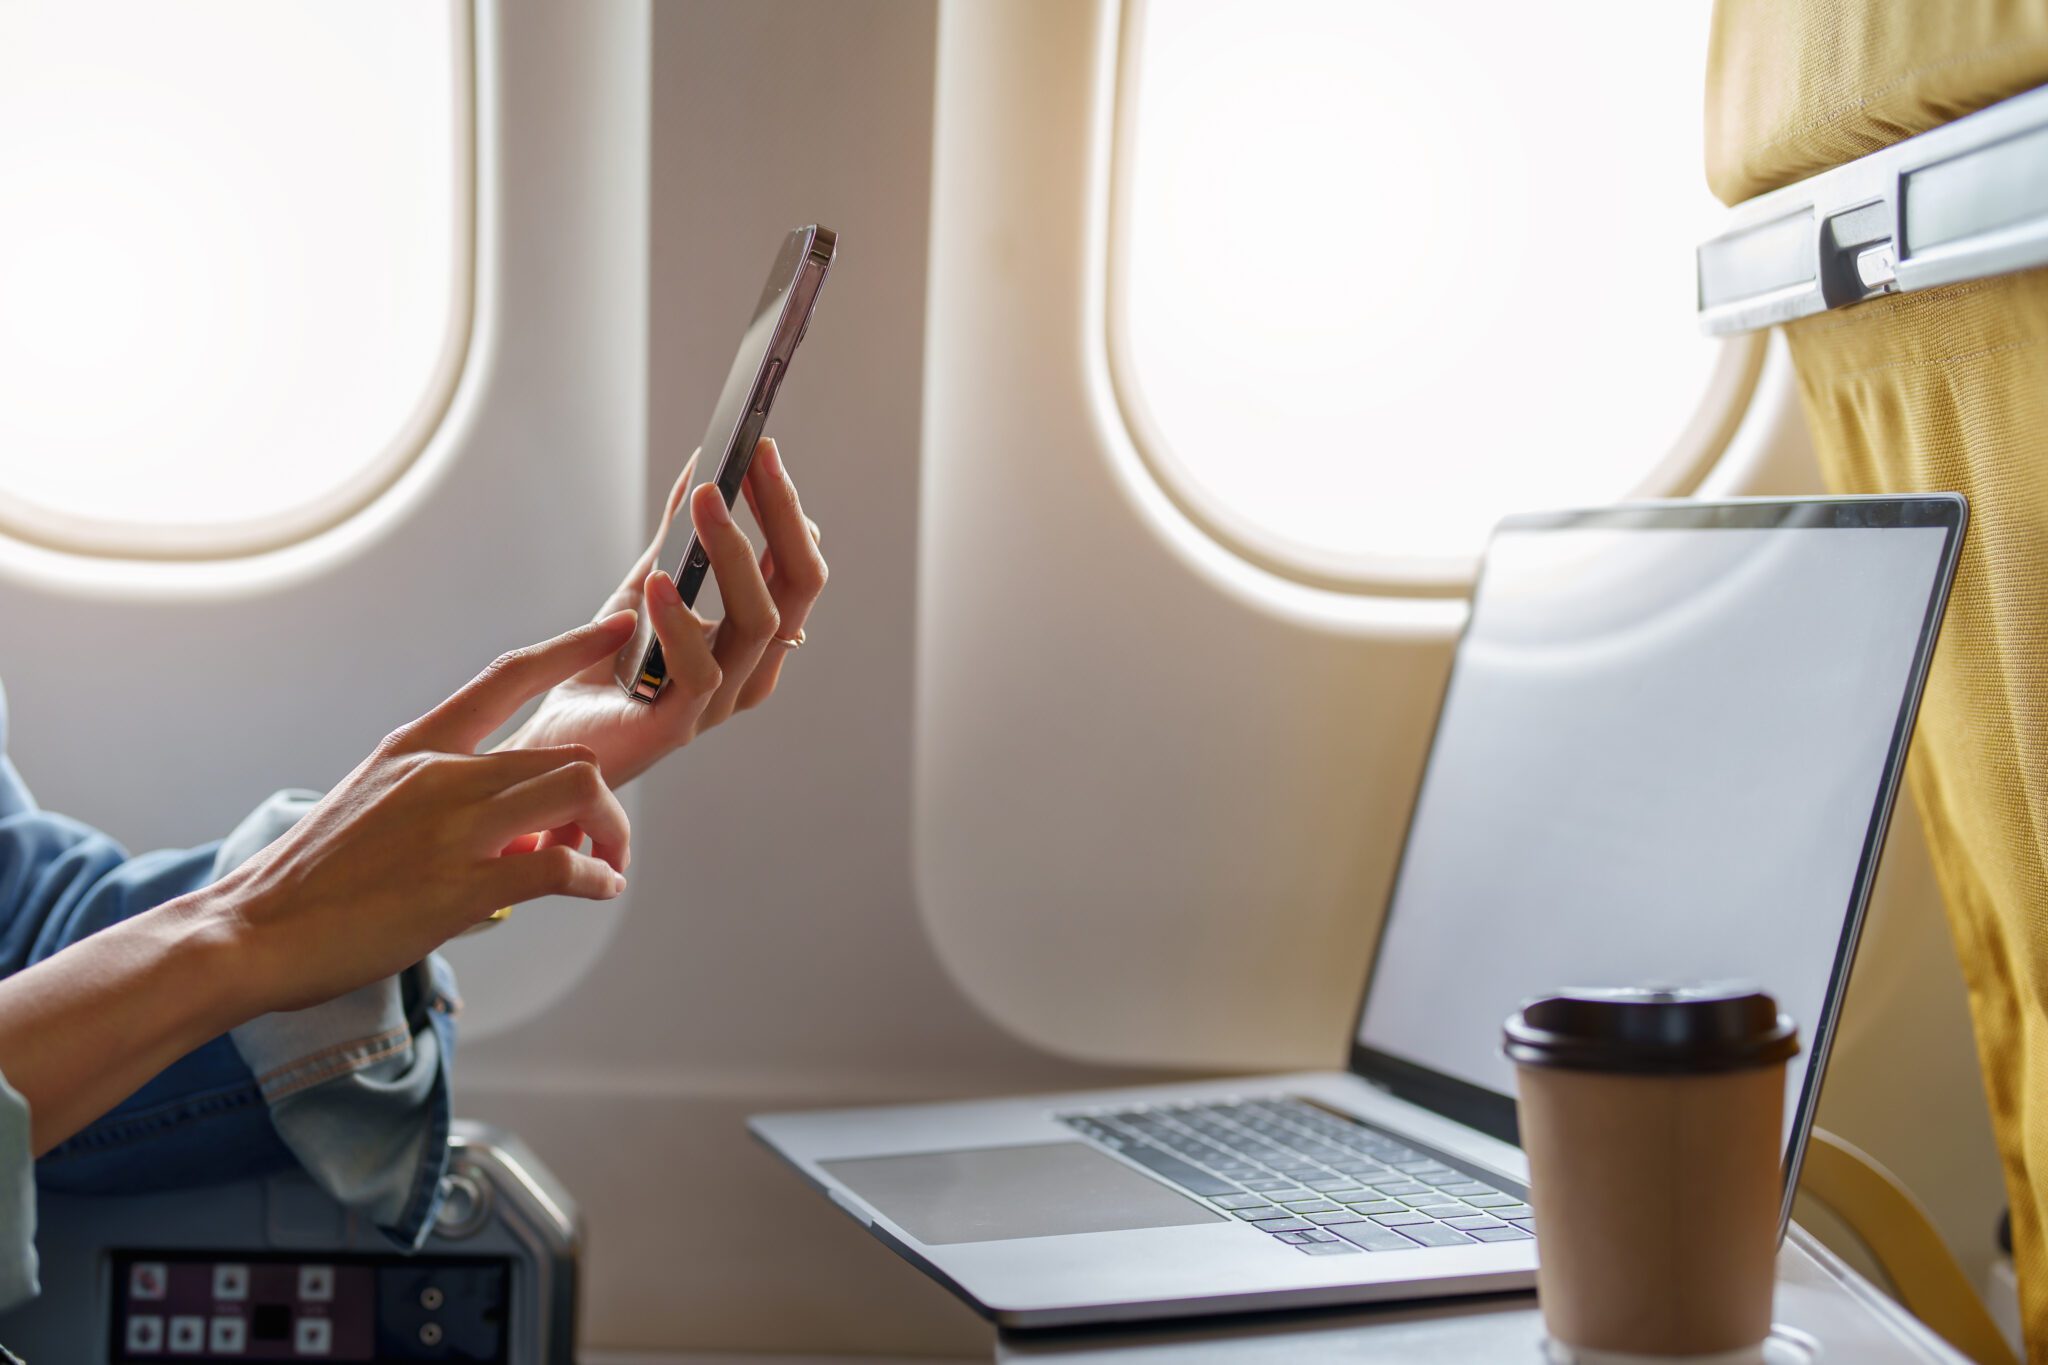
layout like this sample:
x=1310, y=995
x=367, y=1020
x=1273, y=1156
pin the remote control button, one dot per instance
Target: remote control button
x=148, y=1280
x=145, y=1334
x=231, y=1282
x=316, y=1283
x=228, y=1336
x=313, y=1336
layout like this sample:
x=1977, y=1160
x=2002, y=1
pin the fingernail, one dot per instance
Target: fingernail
x=664, y=587
x=618, y=884
x=770, y=455
x=721, y=515
x=624, y=616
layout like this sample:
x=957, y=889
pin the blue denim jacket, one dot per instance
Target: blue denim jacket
x=356, y=1090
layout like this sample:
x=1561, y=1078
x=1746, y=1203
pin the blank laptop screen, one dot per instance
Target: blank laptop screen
x=1659, y=760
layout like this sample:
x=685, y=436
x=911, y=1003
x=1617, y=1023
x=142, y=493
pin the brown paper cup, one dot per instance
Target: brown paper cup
x=1656, y=1183
x=1656, y=1205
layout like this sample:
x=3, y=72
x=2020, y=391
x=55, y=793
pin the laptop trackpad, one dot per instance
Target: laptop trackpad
x=993, y=1194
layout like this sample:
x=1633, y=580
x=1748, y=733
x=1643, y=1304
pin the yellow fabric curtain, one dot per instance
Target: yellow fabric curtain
x=1949, y=390
x=1946, y=389
x=1797, y=86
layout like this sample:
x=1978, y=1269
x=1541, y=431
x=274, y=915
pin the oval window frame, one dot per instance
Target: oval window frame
x=1694, y=451
x=110, y=538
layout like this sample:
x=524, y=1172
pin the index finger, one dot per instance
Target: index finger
x=487, y=701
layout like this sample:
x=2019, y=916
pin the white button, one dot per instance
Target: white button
x=228, y=1334
x=231, y=1282
x=316, y=1283
x=313, y=1336
x=188, y=1335
x=146, y=1334
x=147, y=1280
x=1876, y=267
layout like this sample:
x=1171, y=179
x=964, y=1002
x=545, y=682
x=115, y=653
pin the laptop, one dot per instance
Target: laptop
x=1667, y=752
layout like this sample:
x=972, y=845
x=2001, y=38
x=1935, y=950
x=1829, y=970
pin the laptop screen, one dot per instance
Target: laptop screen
x=1667, y=753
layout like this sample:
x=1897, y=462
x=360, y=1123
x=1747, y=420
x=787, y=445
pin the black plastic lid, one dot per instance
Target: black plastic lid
x=1659, y=1030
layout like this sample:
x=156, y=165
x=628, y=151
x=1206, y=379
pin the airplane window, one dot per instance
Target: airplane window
x=234, y=264
x=1381, y=272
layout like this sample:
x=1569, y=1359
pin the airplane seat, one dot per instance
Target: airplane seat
x=1893, y=1226
x=1886, y=165
x=171, y=1274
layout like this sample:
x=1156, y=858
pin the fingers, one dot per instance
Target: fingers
x=794, y=540
x=570, y=835
x=649, y=560
x=794, y=564
x=630, y=595
x=573, y=794
x=682, y=485
x=493, y=773
x=463, y=721
x=502, y=768
x=557, y=870
x=751, y=616
x=693, y=673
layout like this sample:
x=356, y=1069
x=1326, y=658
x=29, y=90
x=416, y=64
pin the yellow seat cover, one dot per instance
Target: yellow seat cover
x=1946, y=389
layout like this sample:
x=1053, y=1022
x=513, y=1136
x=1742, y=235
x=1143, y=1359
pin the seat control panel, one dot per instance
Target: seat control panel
x=261, y=1306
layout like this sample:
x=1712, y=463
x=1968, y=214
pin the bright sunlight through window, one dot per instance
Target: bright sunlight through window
x=234, y=257
x=1385, y=271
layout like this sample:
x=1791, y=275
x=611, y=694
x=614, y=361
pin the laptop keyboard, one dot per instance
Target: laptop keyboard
x=1322, y=1183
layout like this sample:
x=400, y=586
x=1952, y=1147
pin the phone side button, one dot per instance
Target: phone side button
x=768, y=385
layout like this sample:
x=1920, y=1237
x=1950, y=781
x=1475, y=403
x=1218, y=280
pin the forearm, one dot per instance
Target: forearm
x=86, y=1027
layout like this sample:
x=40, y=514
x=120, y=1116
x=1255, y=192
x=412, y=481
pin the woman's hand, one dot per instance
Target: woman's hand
x=713, y=670
x=427, y=837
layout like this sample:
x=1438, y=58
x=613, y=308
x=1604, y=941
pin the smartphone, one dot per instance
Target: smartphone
x=780, y=320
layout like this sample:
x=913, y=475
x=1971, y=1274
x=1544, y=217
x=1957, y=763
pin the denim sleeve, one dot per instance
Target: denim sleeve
x=203, y=1118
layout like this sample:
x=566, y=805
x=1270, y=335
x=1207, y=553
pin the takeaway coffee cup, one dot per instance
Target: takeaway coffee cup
x=1652, y=1120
